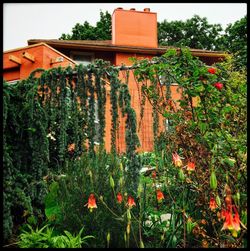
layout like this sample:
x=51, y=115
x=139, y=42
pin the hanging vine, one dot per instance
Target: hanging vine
x=51, y=121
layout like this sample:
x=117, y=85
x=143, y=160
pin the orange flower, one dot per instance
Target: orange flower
x=91, y=202
x=154, y=174
x=228, y=224
x=190, y=166
x=231, y=223
x=119, y=198
x=211, y=70
x=131, y=202
x=176, y=159
x=236, y=219
x=212, y=203
x=160, y=195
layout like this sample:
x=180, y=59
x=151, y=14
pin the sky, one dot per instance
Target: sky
x=24, y=21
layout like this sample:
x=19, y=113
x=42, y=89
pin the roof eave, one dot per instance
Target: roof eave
x=120, y=48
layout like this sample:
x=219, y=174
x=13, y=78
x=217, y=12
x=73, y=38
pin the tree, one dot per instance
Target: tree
x=235, y=41
x=194, y=33
x=102, y=30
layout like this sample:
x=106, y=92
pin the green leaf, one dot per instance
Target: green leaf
x=203, y=127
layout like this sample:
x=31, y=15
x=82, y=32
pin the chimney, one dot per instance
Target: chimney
x=134, y=28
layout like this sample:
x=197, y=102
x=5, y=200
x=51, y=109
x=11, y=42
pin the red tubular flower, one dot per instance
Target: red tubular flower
x=131, y=202
x=91, y=202
x=154, y=174
x=231, y=223
x=176, y=159
x=236, y=219
x=212, y=203
x=190, y=166
x=160, y=195
x=211, y=70
x=218, y=85
x=119, y=198
x=228, y=224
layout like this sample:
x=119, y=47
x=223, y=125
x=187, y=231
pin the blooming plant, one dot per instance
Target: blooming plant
x=197, y=194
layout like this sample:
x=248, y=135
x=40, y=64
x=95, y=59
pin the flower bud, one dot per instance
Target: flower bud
x=228, y=200
x=90, y=174
x=108, y=237
x=213, y=181
x=121, y=166
x=141, y=244
x=128, y=228
x=139, y=190
x=125, y=236
x=218, y=201
x=121, y=181
x=238, y=197
x=189, y=226
x=181, y=175
x=112, y=183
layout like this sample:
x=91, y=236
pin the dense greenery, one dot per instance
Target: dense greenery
x=235, y=41
x=48, y=122
x=195, y=32
x=56, y=178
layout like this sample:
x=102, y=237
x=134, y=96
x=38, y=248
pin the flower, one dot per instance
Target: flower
x=231, y=223
x=228, y=224
x=211, y=70
x=91, y=202
x=119, y=198
x=218, y=85
x=154, y=174
x=190, y=166
x=236, y=219
x=176, y=159
x=212, y=203
x=131, y=202
x=160, y=195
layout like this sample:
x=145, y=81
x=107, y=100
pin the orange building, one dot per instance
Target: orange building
x=134, y=34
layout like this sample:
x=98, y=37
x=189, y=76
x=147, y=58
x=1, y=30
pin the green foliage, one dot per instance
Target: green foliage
x=210, y=130
x=195, y=32
x=46, y=238
x=235, y=41
x=51, y=170
x=52, y=209
x=37, y=149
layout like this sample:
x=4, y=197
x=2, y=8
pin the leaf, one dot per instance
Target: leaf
x=203, y=127
x=229, y=161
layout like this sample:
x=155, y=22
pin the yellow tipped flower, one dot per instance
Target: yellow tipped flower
x=176, y=160
x=91, y=202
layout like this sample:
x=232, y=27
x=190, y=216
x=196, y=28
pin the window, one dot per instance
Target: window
x=84, y=58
